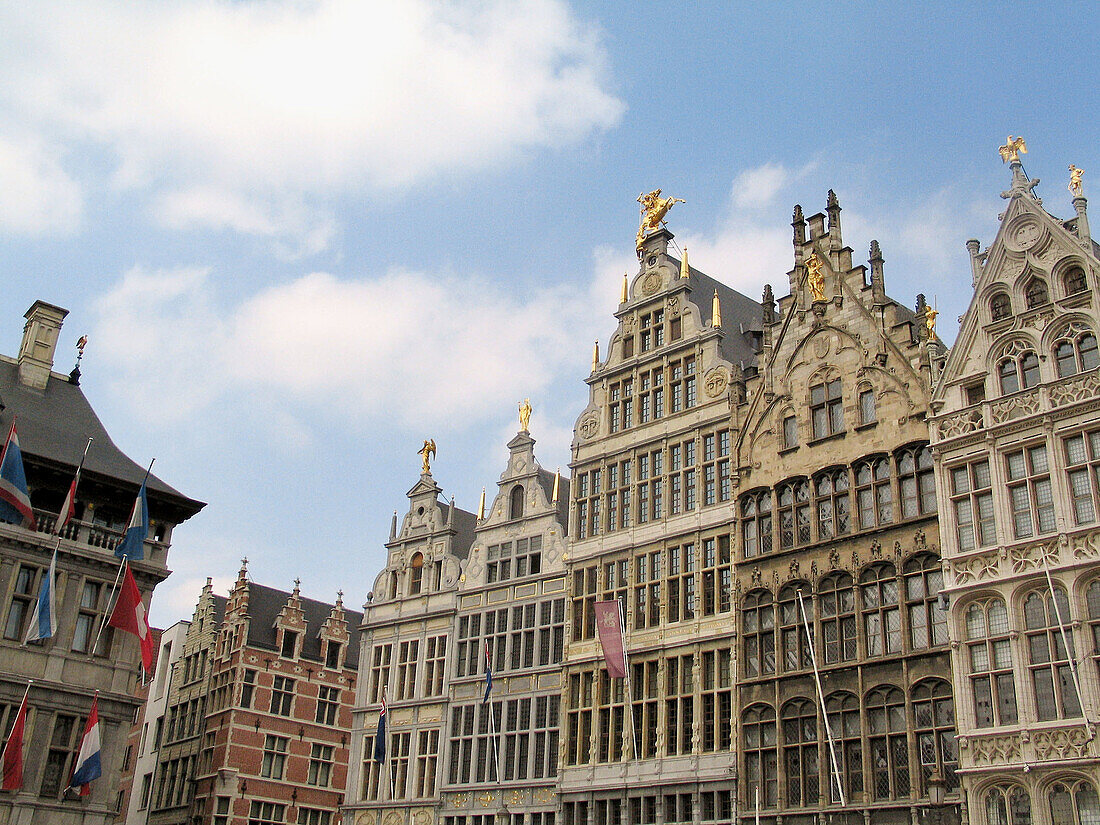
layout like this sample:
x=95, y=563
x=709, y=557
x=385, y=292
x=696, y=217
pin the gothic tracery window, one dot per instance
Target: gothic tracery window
x=1036, y=293
x=792, y=630
x=886, y=722
x=836, y=600
x=1007, y=805
x=989, y=660
x=934, y=725
x=1074, y=803
x=1076, y=351
x=758, y=633
x=1000, y=307
x=831, y=502
x=927, y=620
x=881, y=614
x=1051, y=675
x=800, y=752
x=761, y=759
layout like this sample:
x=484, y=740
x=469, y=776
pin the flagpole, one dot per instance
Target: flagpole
x=1070, y=651
x=758, y=802
x=110, y=609
x=76, y=480
x=492, y=717
x=629, y=687
x=821, y=699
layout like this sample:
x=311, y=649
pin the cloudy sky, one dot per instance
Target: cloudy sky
x=304, y=235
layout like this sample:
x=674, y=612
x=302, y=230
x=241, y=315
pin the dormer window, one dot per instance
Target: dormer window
x=515, y=509
x=290, y=644
x=1000, y=307
x=416, y=574
x=1036, y=293
x=332, y=654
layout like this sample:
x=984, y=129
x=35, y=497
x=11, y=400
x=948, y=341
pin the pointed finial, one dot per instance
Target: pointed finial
x=831, y=201
x=875, y=251
x=624, y=296
x=1075, y=187
x=767, y=303
x=393, y=526
x=685, y=268
x=244, y=563
x=799, y=225
x=340, y=598
x=596, y=355
x=557, y=481
x=297, y=586
x=451, y=512
x=481, y=506
x=715, y=311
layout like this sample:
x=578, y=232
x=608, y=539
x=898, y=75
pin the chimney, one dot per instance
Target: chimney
x=39, y=343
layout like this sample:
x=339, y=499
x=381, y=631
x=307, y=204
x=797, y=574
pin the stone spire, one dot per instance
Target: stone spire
x=832, y=208
x=799, y=224
x=768, y=305
x=1079, y=205
x=972, y=246
x=39, y=343
x=596, y=356
x=878, y=287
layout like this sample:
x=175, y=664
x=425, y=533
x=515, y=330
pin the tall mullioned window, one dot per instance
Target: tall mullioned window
x=761, y=757
x=972, y=500
x=1049, y=663
x=756, y=523
x=836, y=599
x=717, y=581
x=1030, y=492
x=758, y=633
x=826, y=408
x=1083, y=474
x=989, y=659
x=23, y=594
x=800, y=743
x=881, y=614
x=927, y=619
x=831, y=503
x=886, y=722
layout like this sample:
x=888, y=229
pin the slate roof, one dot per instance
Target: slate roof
x=741, y=315
x=546, y=481
x=464, y=524
x=266, y=603
x=55, y=424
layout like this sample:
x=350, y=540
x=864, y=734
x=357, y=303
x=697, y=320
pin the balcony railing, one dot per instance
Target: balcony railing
x=98, y=536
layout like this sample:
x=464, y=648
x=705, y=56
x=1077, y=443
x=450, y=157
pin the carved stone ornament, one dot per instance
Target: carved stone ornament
x=975, y=568
x=366, y=818
x=590, y=425
x=651, y=283
x=834, y=558
x=1061, y=743
x=994, y=750
x=515, y=798
x=1079, y=388
x=756, y=575
x=628, y=324
x=821, y=345
x=672, y=305
x=422, y=817
x=392, y=818
x=716, y=382
x=968, y=421
x=1025, y=233
x=1030, y=557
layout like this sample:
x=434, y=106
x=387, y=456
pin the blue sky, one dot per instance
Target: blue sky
x=304, y=236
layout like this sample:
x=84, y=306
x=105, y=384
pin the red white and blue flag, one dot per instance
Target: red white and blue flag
x=44, y=619
x=15, y=503
x=380, y=734
x=129, y=615
x=132, y=545
x=87, y=766
x=68, y=508
x=488, y=674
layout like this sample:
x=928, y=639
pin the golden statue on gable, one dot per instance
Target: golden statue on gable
x=525, y=414
x=1012, y=149
x=654, y=209
x=815, y=278
x=1075, y=187
x=426, y=452
x=930, y=321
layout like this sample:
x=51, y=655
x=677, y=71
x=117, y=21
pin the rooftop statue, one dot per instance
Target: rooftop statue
x=654, y=209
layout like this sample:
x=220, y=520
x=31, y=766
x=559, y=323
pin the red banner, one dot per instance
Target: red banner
x=609, y=623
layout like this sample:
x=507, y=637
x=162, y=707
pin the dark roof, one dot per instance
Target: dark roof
x=464, y=524
x=266, y=603
x=55, y=424
x=546, y=481
x=741, y=316
x=219, y=608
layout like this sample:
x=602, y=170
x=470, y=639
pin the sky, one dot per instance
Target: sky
x=302, y=236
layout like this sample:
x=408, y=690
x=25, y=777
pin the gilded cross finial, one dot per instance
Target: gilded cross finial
x=654, y=209
x=1013, y=148
x=685, y=268
x=427, y=452
x=1075, y=181
x=525, y=414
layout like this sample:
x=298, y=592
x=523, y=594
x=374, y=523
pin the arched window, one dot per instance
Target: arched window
x=758, y=729
x=1074, y=803
x=826, y=408
x=934, y=725
x=1036, y=293
x=756, y=523
x=1051, y=676
x=885, y=709
x=1019, y=373
x=1092, y=598
x=792, y=630
x=916, y=482
x=1076, y=352
x=874, y=499
x=831, y=503
x=800, y=752
x=1007, y=805
x=1000, y=307
x=844, y=720
x=793, y=500
x=989, y=652
x=836, y=599
x=1074, y=280
x=416, y=574
x=790, y=430
x=758, y=633
x=878, y=587
x=923, y=583
x=516, y=502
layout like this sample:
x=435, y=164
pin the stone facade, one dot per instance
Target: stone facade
x=1016, y=433
x=55, y=421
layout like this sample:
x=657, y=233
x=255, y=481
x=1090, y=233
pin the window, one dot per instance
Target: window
x=679, y=703
x=584, y=603
x=756, y=523
x=934, y=726
x=1074, y=803
x=790, y=432
x=1030, y=492
x=426, y=754
x=1076, y=352
x=1021, y=372
x=332, y=654
x=792, y=630
x=380, y=670
x=1083, y=473
x=551, y=632
x=972, y=500
x=867, y=414
x=282, y=694
x=916, y=482
x=682, y=384
x=800, y=752
x=874, y=499
x=844, y=720
x=1052, y=680
x=290, y=644
x=64, y=739
x=647, y=589
x=886, y=723
x=23, y=595
x=618, y=495
x=1007, y=805
x=681, y=583
x=758, y=633
x=266, y=813
x=831, y=504
x=1093, y=602
x=248, y=687
x=923, y=583
x=836, y=599
x=793, y=499
x=758, y=729
x=88, y=619
x=881, y=615
x=416, y=574
x=146, y=787
x=717, y=576
x=1000, y=307
x=408, y=652
x=717, y=699
x=578, y=719
x=588, y=503
x=320, y=764
x=975, y=393
x=826, y=409
x=274, y=761
x=646, y=690
x=1074, y=280
x=989, y=659
x=328, y=702
x=435, y=655
x=314, y=816
x=515, y=508
x=1035, y=294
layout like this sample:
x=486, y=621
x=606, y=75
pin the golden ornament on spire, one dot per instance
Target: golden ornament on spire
x=595, y=355
x=624, y=295
x=1075, y=181
x=685, y=269
x=1012, y=149
x=557, y=481
x=481, y=506
x=715, y=311
x=654, y=209
x=524, y=414
x=815, y=278
x=930, y=321
x=425, y=452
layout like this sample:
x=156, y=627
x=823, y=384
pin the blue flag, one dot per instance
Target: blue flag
x=132, y=545
x=15, y=503
x=380, y=735
x=44, y=619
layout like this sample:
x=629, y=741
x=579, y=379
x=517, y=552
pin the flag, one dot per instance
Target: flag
x=87, y=765
x=380, y=735
x=13, y=749
x=44, y=619
x=68, y=507
x=129, y=615
x=488, y=673
x=132, y=545
x=609, y=622
x=15, y=503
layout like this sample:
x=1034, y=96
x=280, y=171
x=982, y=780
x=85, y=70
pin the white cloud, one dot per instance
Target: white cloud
x=758, y=186
x=285, y=99
x=36, y=194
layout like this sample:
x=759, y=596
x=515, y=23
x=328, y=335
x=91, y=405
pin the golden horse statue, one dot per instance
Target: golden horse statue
x=654, y=209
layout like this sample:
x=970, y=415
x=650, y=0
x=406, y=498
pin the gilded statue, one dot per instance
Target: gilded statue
x=930, y=321
x=426, y=452
x=654, y=209
x=1075, y=181
x=1012, y=149
x=524, y=414
x=815, y=278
